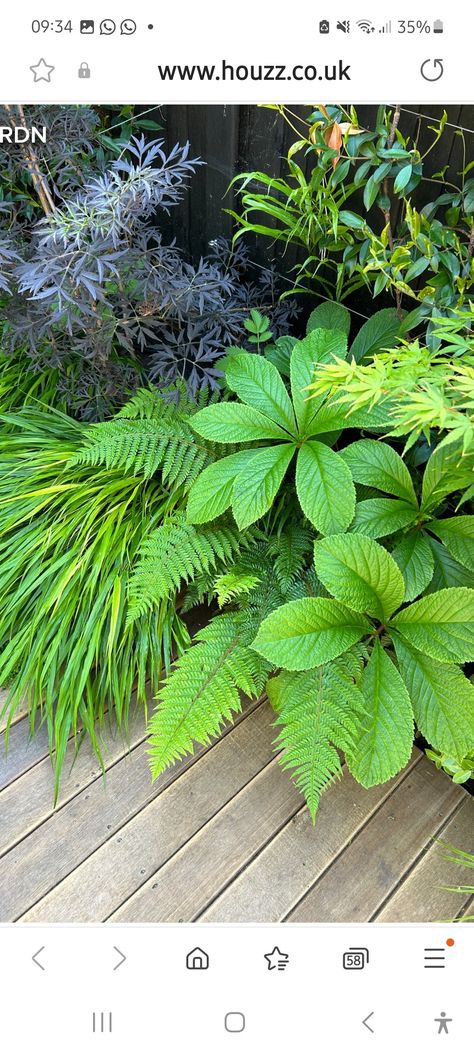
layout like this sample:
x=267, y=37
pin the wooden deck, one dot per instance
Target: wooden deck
x=221, y=837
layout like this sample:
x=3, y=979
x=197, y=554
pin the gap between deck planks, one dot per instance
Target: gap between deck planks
x=224, y=837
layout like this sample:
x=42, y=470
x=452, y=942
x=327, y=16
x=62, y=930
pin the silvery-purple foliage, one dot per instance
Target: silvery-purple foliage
x=93, y=283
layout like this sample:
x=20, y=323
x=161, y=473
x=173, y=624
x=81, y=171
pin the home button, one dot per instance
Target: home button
x=234, y=1022
x=197, y=959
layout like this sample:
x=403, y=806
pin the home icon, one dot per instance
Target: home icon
x=197, y=959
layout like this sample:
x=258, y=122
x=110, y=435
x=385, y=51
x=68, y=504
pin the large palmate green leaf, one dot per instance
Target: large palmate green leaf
x=360, y=573
x=448, y=573
x=319, y=711
x=442, y=699
x=233, y=422
x=379, y=332
x=211, y=494
x=318, y=346
x=376, y=464
x=325, y=489
x=386, y=735
x=258, y=383
x=414, y=556
x=381, y=516
x=305, y=633
x=457, y=534
x=446, y=471
x=329, y=315
x=255, y=488
x=440, y=625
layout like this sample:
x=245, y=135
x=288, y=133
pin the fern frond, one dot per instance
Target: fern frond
x=319, y=711
x=234, y=585
x=173, y=554
x=204, y=689
x=143, y=446
x=290, y=550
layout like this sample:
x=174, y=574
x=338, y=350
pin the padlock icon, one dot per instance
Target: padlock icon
x=84, y=71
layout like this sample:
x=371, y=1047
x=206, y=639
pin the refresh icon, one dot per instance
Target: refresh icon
x=432, y=69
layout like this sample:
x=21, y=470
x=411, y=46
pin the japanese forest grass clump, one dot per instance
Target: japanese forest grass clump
x=69, y=536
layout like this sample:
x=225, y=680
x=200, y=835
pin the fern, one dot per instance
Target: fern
x=204, y=689
x=233, y=586
x=175, y=553
x=289, y=550
x=319, y=711
x=143, y=446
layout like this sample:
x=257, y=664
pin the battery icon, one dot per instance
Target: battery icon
x=438, y=26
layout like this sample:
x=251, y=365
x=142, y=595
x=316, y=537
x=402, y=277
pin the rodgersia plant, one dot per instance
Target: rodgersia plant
x=89, y=285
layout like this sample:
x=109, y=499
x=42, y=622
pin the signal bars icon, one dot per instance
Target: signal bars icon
x=387, y=28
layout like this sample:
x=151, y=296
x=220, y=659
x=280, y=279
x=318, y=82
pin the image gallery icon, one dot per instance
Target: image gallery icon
x=87, y=26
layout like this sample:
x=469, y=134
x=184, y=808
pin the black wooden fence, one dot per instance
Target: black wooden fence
x=234, y=139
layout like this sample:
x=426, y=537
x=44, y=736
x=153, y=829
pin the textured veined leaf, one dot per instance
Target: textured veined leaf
x=319, y=712
x=381, y=516
x=304, y=633
x=211, y=494
x=440, y=625
x=457, y=534
x=448, y=573
x=318, y=346
x=376, y=464
x=442, y=699
x=258, y=383
x=415, y=558
x=232, y=422
x=329, y=315
x=325, y=489
x=330, y=416
x=446, y=471
x=256, y=487
x=380, y=331
x=360, y=573
x=385, y=738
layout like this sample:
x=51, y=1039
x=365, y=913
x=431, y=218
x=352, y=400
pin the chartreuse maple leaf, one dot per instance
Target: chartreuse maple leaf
x=291, y=428
x=411, y=673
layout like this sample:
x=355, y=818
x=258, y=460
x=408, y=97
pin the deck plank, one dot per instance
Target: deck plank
x=23, y=751
x=296, y=857
x=421, y=897
x=370, y=869
x=28, y=801
x=20, y=712
x=97, y=887
x=217, y=852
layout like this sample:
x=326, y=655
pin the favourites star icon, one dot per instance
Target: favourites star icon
x=42, y=71
x=277, y=959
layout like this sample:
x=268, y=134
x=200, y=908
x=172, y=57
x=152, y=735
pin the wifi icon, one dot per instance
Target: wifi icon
x=366, y=26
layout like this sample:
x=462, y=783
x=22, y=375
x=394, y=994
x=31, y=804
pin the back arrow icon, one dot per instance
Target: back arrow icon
x=369, y=1028
x=35, y=959
x=123, y=958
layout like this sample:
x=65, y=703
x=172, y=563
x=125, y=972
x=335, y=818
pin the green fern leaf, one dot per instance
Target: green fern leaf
x=204, y=689
x=175, y=553
x=144, y=446
x=234, y=585
x=290, y=550
x=319, y=711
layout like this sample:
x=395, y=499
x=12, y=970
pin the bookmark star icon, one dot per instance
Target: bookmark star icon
x=277, y=959
x=42, y=71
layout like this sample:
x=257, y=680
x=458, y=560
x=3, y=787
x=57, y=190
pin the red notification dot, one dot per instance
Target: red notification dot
x=450, y=943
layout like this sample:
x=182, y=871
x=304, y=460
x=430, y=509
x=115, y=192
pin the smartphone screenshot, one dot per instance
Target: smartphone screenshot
x=236, y=527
